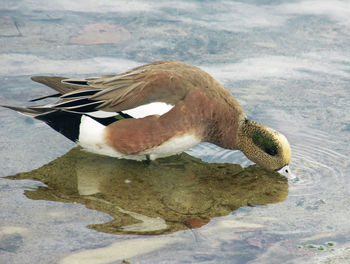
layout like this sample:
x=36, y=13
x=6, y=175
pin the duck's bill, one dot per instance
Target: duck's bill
x=286, y=171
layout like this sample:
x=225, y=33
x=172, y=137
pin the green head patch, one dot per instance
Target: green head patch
x=264, y=142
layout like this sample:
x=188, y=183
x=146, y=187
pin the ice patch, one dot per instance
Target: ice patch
x=282, y=67
x=122, y=250
x=336, y=10
x=285, y=67
x=235, y=16
x=101, y=6
x=14, y=64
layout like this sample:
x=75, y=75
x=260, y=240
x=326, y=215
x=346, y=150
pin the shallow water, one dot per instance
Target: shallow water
x=287, y=63
x=170, y=194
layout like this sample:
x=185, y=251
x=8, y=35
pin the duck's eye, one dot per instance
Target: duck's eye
x=265, y=143
x=271, y=151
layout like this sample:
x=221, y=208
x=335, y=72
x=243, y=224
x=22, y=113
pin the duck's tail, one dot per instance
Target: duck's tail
x=67, y=123
x=65, y=116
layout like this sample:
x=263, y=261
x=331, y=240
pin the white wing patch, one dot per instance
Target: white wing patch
x=156, y=108
x=102, y=114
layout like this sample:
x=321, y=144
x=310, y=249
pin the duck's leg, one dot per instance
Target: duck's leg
x=148, y=159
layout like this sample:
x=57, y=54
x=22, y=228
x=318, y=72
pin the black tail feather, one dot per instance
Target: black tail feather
x=66, y=123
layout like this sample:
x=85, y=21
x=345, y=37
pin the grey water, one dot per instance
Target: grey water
x=286, y=62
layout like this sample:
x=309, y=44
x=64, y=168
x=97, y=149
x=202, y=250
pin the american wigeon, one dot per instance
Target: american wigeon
x=153, y=111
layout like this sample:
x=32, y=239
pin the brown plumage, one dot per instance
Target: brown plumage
x=201, y=109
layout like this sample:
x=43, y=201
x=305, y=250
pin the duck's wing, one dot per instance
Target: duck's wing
x=153, y=83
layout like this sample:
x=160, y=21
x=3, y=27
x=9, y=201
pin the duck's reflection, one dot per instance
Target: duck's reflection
x=168, y=195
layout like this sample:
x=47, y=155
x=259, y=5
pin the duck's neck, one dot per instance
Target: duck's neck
x=217, y=115
x=224, y=127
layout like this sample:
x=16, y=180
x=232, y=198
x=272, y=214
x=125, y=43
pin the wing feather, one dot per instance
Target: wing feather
x=163, y=81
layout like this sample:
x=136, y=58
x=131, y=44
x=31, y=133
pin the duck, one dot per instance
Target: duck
x=153, y=111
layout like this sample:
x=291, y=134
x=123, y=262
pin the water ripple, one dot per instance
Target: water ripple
x=317, y=166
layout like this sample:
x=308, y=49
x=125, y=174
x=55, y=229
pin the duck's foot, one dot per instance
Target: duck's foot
x=147, y=160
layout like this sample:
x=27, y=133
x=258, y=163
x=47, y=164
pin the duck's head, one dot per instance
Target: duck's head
x=263, y=145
